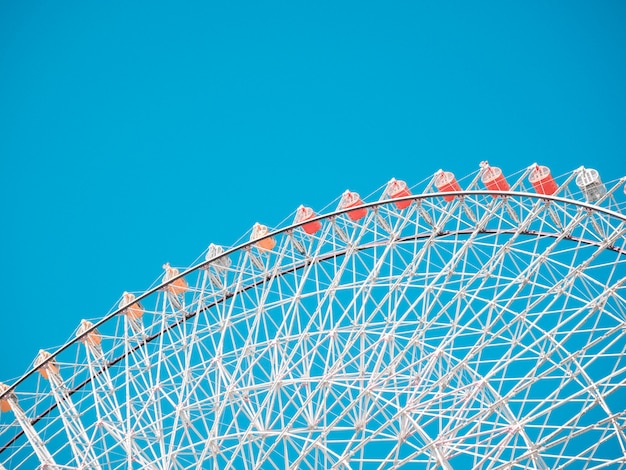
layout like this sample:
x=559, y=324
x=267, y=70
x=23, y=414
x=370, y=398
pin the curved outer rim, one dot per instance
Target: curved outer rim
x=290, y=228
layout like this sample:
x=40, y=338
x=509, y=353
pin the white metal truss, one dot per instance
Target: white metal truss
x=448, y=328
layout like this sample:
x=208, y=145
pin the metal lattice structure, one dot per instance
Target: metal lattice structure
x=436, y=327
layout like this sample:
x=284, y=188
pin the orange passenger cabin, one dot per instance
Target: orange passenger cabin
x=352, y=199
x=302, y=215
x=46, y=369
x=493, y=179
x=4, y=403
x=176, y=287
x=397, y=189
x=5, y=406
x=132, y=309
x=542, y=180
x=259, y=231
x=92, y=338
x=446, y=182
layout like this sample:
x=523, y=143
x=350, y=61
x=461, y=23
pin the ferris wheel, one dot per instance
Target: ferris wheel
x=458, y=323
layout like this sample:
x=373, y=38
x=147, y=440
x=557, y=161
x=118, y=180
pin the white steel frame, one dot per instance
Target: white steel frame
x=484, y=332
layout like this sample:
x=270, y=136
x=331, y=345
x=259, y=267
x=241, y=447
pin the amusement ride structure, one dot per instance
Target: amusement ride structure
x=472, y=323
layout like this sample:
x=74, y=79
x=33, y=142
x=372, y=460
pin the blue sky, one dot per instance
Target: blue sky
x=135, y=133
